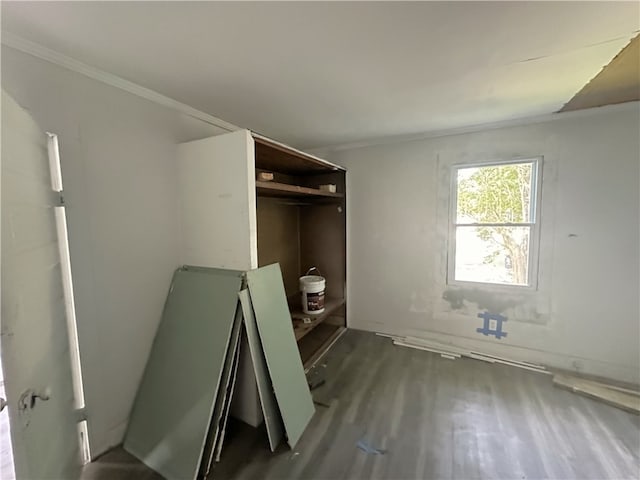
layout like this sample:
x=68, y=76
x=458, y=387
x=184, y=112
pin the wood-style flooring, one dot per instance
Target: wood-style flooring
x=417, y=415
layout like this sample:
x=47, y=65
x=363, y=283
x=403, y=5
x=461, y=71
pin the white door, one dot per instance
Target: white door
x=36, y=324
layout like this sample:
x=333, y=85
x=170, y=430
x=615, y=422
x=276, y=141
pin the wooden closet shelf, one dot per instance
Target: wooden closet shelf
x=300, y=329
x=275, y=189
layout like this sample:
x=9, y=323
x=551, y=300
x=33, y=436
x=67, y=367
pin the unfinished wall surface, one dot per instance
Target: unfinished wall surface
x=118, y=155
x=583, y=316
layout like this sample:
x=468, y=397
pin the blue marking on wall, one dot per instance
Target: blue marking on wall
x=487, y=329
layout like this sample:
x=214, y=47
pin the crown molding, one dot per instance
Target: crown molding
x=517, y=122
x=31, y=48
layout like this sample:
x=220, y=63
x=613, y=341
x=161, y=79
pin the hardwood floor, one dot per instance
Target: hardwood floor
x=118, y=465
x=430, y=417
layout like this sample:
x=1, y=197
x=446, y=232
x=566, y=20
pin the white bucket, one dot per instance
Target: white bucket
x=312, y=288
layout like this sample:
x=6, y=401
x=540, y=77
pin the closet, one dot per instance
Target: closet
x=233, y=218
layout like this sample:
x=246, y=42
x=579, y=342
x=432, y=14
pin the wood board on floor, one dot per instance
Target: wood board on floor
x=280, y=350
x=175, y=401
x=598, y=391
x=272, y=418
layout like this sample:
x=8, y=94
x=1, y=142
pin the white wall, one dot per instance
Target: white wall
x=119, y=168
x=584, y=316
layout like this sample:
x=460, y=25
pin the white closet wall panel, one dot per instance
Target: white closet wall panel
x=217, y=191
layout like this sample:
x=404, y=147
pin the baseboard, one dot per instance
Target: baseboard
x=608, y=371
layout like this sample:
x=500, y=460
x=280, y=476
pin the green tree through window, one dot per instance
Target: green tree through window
x=494, y=222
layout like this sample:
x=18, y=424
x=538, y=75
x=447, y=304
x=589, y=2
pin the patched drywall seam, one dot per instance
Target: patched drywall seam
x=490, y=301
x=517, y=307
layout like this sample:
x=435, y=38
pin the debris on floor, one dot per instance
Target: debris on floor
x=452, y=352
x=623, y=398
x=315, y=383
x=316, y=378
x=365, y=447
x=321, y=404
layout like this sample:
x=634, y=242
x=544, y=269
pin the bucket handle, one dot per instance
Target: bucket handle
x=312, y=269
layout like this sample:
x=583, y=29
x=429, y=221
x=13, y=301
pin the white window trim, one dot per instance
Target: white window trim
x=534, y=238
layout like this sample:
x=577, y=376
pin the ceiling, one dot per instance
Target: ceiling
x=618, y=82
x=324, y=73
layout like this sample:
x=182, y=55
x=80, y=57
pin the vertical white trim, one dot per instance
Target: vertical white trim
x=252, y=201
x=67, y=288
x=534, y=236
x=54, y=162
x=452, y=218
x=69, y=303
x=83, y=438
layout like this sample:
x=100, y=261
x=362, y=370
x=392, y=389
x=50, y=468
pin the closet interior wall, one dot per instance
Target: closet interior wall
x=300, y=231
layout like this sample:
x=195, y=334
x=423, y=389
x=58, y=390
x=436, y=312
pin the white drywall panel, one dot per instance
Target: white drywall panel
x=218, y=203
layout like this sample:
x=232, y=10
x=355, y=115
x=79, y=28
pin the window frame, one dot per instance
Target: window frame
x=534, y=225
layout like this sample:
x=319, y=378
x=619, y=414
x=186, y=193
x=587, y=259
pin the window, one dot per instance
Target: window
x=494, y=223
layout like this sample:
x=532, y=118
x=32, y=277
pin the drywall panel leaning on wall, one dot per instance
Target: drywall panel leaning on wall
x=178, y=420
x=280, y=349
x=215, y=436
x=175, y=401
x=272, y=418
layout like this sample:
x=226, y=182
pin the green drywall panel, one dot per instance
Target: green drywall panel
x=224, y=394
x=227, y=407
x=174, y=404
x=272, y=418
x=280, y=350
